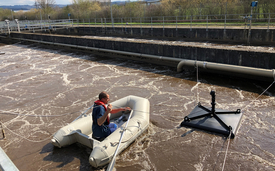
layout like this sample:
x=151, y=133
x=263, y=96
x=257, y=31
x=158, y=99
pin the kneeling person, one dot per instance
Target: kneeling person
x=101, y=121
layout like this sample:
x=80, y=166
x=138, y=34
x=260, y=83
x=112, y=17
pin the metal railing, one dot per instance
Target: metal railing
x=34, y=25
x=238, y=21
x=202, y=21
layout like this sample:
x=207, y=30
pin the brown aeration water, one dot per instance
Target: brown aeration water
x=41, y=84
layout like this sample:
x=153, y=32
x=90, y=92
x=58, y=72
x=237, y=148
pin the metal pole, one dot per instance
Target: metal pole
x=121, y=24
x=191, y=23
x=176, y=23
x=224, y=22
x=131, y=25
x=40, y=19
x=207, y=23
x=140, y=27
x=112, y=163
x=151, y=24
x=163, y=22
x=268, y=22
x=250, y=22
x=112, y=15
x=11, y=15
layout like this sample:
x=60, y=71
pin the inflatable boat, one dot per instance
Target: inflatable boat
x=80, y=130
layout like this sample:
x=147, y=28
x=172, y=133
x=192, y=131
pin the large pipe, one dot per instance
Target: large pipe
x=232, y=69
x=182, y=63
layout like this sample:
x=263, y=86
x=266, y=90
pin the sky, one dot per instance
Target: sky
x=30, y=2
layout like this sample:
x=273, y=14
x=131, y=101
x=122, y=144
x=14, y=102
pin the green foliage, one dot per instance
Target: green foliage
x=5, y=14
x=184, y=9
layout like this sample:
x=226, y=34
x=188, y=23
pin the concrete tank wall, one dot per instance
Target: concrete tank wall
x=258, y=36
x=240, y=57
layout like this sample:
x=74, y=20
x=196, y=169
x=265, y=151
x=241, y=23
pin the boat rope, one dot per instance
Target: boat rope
x=25, y=137
x=197, y=100
x=226, y=149
x=36, y=116
x=11, y=113
x=29, y=115
x=197, y=75
x=259, y=95
x=3, y=131
x=243, y=109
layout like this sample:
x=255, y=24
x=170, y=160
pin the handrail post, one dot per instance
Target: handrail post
x=176, y=23
x=207, y=23
x=121, y=24
x=225, y=16
x=191, y=23
x=151, y=26
x=163, y=22
x=268, y=22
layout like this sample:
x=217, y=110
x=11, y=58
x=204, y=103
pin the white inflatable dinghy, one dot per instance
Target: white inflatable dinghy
x=80, y=130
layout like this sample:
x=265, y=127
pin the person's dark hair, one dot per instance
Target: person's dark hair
x=102, y=95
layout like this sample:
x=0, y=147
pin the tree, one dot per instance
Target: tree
x=85, y=8
x=45, y=5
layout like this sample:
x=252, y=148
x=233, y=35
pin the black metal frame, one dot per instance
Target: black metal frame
x=213, y=113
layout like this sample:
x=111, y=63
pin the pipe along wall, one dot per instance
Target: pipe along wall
x=255, y=65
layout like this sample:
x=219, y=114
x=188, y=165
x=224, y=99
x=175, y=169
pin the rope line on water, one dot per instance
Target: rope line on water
x=28, y=115
x=226, y=150
x=25, y=137
x=11, y=113
x=259, y=95
x=231, y=130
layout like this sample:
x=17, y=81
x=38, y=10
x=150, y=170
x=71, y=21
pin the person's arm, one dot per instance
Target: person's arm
x=120, y=109
x=103, y=118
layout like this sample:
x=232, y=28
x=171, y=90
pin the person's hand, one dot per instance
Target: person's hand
x=109, y=108
x=126, y=108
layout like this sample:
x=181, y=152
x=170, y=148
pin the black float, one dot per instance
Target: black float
x=217, y=121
